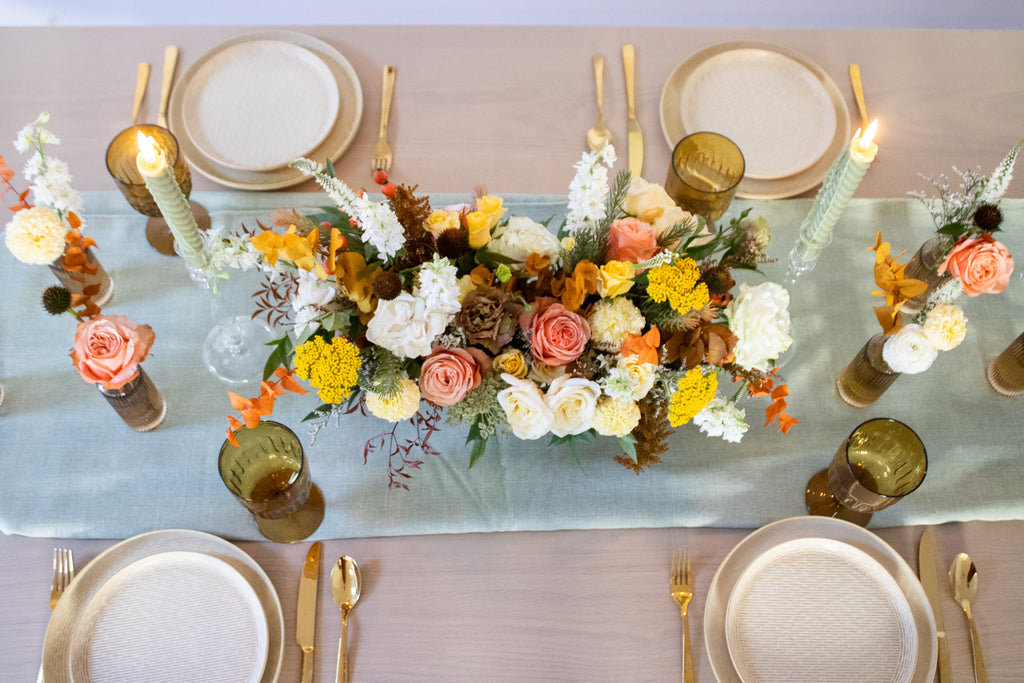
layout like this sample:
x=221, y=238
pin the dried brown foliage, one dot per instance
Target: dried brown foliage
x=651, y=434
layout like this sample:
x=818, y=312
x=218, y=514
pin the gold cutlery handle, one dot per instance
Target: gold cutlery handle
x=170, y=64
x=688, y=675
x=628, y=58
x=387, y=90
x=140, y=90
x=858, y=93
x=307, y=665
x=980, y=675
x=343, y=651
x=599, y=78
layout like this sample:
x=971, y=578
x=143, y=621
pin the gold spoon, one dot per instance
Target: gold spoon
x=963, y=581
x=170, y=62
x=345, y=588
x=140, y=90
x=599, y=135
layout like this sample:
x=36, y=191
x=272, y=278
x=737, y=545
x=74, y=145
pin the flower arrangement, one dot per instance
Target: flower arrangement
x=619, y=325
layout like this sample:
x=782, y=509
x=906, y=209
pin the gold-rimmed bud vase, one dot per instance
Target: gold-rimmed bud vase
x=139, y=403
x=867, y=376
x=1006, y=372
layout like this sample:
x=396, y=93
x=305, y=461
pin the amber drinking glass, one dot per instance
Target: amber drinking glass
x=879, y=464
x=705, y=170
x=1006, y=373
x=121, y=164
x=269, y=475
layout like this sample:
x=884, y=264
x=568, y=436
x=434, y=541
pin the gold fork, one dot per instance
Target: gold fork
x=681, y=588
x=382, y=151
x=63, y=572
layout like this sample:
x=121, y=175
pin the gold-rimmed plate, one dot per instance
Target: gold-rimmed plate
x=244, y=175
x=784, y=111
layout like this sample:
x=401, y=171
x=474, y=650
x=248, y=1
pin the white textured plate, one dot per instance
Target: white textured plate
x=813, y=608
x=768, y=537
x=255, y=106
x=338, y=139
x=166, y=607
x=786, y=114
x=69, y=615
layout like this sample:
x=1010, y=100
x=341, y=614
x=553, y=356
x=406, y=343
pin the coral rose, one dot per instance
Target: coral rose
x=109, y=348
x=981, y=264
x=448, y=375
x=631, y=240
x=559, y=335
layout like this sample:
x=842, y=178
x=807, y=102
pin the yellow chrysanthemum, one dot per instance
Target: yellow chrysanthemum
x=679, y=284
x=693, y=391
x=333, y=369
x=36, y=235
x=397, y=408
x=616, y=417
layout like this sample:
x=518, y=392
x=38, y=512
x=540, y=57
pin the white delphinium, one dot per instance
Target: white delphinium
x=438, y=285
x=996, y=185
x=721, y=417
x=588, y=190
x=377, y=222
x=49, y=178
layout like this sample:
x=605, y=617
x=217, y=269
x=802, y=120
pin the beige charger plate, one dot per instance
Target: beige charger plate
x=801, y=175
x=341, y=135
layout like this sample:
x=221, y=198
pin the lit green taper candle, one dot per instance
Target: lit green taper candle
x=161, y=183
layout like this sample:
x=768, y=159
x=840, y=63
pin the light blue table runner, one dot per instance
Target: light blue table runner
x=73, y=469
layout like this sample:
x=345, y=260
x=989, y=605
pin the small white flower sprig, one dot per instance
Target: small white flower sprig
x=49, y=178
x=588, y=191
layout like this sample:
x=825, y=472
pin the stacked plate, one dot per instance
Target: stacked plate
x=815, y=598
x=167, y=606
x=247, y=107
x=784, y=112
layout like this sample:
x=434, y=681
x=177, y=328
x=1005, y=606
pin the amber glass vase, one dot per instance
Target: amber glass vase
x=867, y=376
x=1006, y=372
x=76, y=281
x=139, y=403
x=924, y=266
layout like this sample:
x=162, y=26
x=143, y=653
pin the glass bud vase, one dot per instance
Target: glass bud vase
x=75, y=281
x=1006, y=373
x=139, y=403
x=867, y=376
x=924, y=266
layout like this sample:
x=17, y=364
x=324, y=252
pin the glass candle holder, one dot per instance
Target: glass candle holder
x=139, y=403
x=123, y=168
x=879, y=464
x=705, y=170
x=867, y=376
x=269, y=475
x=1006, y=373
x=76, y=281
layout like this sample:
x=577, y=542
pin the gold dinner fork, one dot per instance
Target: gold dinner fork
x=681, y=588
x=63, y=572
x=382, y=151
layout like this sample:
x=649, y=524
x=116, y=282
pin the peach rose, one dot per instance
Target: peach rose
x=559, y=335
x=448, y=375
x=109, y=348
x=981, y=264
x=631, y=240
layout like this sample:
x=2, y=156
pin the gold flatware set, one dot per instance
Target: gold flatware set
x=142, y=83
x=346, y=587
x=599, y=134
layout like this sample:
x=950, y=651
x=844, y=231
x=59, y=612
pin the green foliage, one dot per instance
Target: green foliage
x=628, y=445
x=382, y=371
x=281, y=356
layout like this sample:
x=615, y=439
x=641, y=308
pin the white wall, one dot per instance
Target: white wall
x=984, y=14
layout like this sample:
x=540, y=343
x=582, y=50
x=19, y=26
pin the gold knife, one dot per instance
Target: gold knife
x=858, y=94
x=141, y=82
x=170, y=62
x=636, y=138
x=928, y=570
x=305, y=618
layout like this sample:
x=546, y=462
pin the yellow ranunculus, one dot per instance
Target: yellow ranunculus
x=615, y=279
x=513, y=362
x=439, y=221
x=479, y=225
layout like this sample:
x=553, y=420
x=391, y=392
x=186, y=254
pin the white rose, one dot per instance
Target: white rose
x=759, y=317
x=652, y=204
x=641, y=374
x=572, y=401
x=405, y=326
x=908, y=350
x=521, y=237
x=528, y=415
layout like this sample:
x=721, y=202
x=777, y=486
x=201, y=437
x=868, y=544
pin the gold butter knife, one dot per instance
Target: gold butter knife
x=305, y=617
x=635, y=137
x=858, y=94
x=140, y=90
x=170, y=62
x=928, y=570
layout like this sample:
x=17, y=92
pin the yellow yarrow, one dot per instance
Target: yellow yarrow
x=693, y=391
x=616, y=417
x=397, y=408
x=333, y=369
x=679, y=284
x=36, y=235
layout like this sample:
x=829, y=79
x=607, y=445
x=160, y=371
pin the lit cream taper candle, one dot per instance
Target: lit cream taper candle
x=840, y=183
x=162, y=184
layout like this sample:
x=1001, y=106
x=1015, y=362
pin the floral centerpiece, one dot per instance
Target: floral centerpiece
x=625, y=324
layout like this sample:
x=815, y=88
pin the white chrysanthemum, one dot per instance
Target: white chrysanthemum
x=721, y=417
x=946, y=326
x=615, y=417
x=438, y=285
x=589, y=188
x=611, y=320
x=36, y=235
x=397, y=408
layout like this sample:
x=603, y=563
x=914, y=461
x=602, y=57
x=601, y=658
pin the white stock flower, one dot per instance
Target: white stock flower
x=405, y=326
x=721, y=417
x=908, y=350
x=438, y=285
x=572, y=401
x=527, y=414
x=521, y=237
x=589, y=188
x=759, y=317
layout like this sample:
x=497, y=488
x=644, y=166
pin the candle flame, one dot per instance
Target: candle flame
x=148, y=148
x=869, y=135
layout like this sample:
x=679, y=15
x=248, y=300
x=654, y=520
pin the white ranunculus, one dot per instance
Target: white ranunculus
x=528, y=415
x=572, y=401
x=405, y=326
x=759, y=317
x=521, y=237
x=908, y=350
